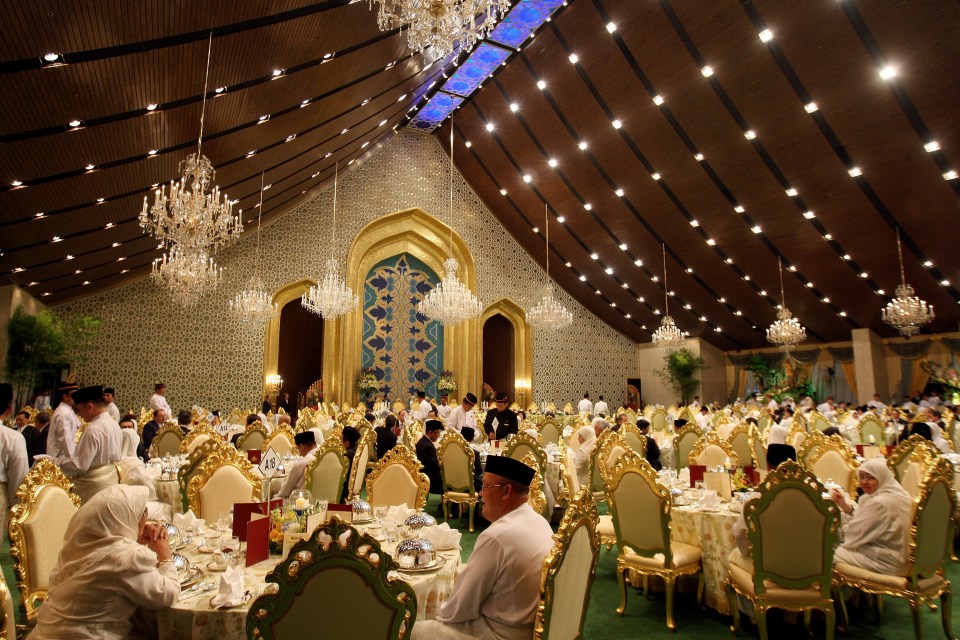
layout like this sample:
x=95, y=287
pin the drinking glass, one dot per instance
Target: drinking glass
x=224, y=523
x=380, y=513
x=229, y=546
x=212, y=540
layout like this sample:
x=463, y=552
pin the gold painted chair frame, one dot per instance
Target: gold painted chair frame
x=712, y=439
x=914, y=450
x=455, y=493
x=740, y=441
x=189, y=470
x=658, y=420
x=816, y=421
x=217, y=459
x=685, y=441
x=838, y=445
x=869, y=425
x=537, y=499
x=358, y=470
x=550, y=431
x=252, y=430
x=330, y=447
x=521, y=441
x=634, y=438
x=203, y=428
x=169, y=432
x=406, y=458
x=284, y=432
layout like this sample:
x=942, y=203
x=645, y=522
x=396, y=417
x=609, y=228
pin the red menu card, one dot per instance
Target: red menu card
x=254, y=456
x=242, y=511
x=258, y=531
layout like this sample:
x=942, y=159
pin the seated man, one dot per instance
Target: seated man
x=496, y=595
x=427, y=454
x=386, y=436
x=349, y=438
x=150, y=431
x=185, y=421
x=296, y=474
x=653, y=449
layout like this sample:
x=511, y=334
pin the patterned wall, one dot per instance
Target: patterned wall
x=403, y=347
x=204, y=356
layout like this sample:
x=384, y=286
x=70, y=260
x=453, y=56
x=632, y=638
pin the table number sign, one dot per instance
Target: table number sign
x=270, y=464
x=223, y=429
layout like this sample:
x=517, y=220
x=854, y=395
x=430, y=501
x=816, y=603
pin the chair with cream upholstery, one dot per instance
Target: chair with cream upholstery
x=684, y=443
x=811, y=445
x=550, y=431
x=658, y=420
x=223, y=478
x=930, y=539
x=792, y=531
x=740, y=441
x=456, y=471
x=366, y=446
x=765, y=421
x=711, y=451
x=816, y=421
x=640, y=507
x=194, y=458
x=597, y=487
x=568, y=573
x=570, y=473
x=759, y=451
x=835, y=460
x=910, y=462
x=396, y=479
x=634, y=439
x=796, y=434
x=522, y=443
x=37, y=525
x=342, y=578
x=196, y=441
x=608, y=452
x=871, y=429
x=411, y=434
x=536, y=498
x=253, y=437
x=8, y=627
x=168, y=440
x=281, y=441
x=328, y=471
x=197, y=432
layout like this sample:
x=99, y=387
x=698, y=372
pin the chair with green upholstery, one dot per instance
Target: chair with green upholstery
x=740, y=439
x=658, y=420
x=396, y=479
x=168, y=441
x=252, y=437
x=871, y=429
x=792, y=531
x=456, y=472
x=568, y=572
x=328, y=471
x=816, y=421
x=930, y=540
x=336, y=584
x=522, y=443
x=550, y=431
x=687, y=438
x=187, y=471
x=634, y=439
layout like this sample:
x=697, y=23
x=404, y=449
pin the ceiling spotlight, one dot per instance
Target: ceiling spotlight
x=611, y=27
x=855, y=172
x=574, y=59
x=561, y=219
x=950, y=175
x=277, y=73
x=594, y=256
x=707, y=71
x=552, y=162
x=541, y=85
x=756, y=229
x=623, y=246
x=616, y=124
x=791, y=192
x=928, y=264
x=503, y=192
x=888, y=72
x=766, y=35
x=51, y=57
x=811, y=107
x=582, y=145
x=527, y=179
x=74, y=123
x=694, y=223
x=514, y=107
x=698, y=157
x=750, y=134
x=587, y=206
x=809, y=215
x=658, y=100
x=619, y=192
x=931, y=146
x=739, y=208
x=489, y=126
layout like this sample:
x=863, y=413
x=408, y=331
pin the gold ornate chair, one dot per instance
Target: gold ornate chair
x=396, y=479
x=608, y=452
x=816, y=421
x=835, y=460
x=550, y=431
x=740, y=440
x=456, y=471
x=281, y=441
x=910, y=462
x=871, y=429
x=194, y=459
x=146, y=415
x=712, y=451
x=37, y=525
x=930, y=539
x=411, y=435
x=342, y=578
x=792, y=531
x=765, y=421
x=366, y=445
x=812, y=444
x=796, y=434
x=522, y=443
x=595, y=477
x=197, y=436
x=536, y=498
x=222, y=479
x=168, y=440
x=640, y=507
x=8, y=628
x=634, y=439
x=252, y=437
x=568, y=573
x=658, y=420
x=684, y=443
x=306, y=419
x=328, y=471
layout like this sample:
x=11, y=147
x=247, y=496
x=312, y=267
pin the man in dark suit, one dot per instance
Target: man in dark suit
x=386, y=436
x=350, y=438
x=500, y=422
x=150, y=430
x=427, y=454
x=653, y=449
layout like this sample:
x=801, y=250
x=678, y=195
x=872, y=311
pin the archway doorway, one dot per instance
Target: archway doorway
x=499, y=370
x=300, y=361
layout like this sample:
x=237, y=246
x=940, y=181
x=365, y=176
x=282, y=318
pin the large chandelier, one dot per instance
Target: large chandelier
x=254, y=306
x=668, y=335
x=450, y=302
x=906, y=312
x=442, y=26
x=549, y=314
x=786, y=331
x=331, y=297
x=188, y=275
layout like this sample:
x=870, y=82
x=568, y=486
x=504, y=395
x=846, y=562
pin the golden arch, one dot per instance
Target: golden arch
x=271, y=346
x=523, y=345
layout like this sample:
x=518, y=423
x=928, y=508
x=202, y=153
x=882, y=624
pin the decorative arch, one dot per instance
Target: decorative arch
x=523, y=345
x=271, y=345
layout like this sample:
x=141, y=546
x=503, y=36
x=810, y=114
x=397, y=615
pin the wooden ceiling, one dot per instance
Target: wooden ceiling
x=856, y=159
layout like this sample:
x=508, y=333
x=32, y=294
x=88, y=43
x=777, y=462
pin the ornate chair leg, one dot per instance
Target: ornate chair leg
x=761, y=619
x=700, y=590
x=446, y=509
x=831, y=622
x=807, y=617
x=473, y=505
x=734, y=609
x=946, y=599
x=669, y=587
x=915, y=612
x=838, y=597
x=622, y=581
x=646, y=586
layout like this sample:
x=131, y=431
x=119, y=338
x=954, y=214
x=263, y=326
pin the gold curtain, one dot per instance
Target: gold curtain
x=918, y=377
x=850, y=372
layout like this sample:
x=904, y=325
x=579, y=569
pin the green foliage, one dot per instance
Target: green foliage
x=777, y=382
x=680, y=369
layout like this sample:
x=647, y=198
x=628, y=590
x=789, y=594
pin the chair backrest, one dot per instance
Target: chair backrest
x=811, y=445
x=792, y=531
x=411, y=435
x=765, y=420
x=595, y=475
x=331, y=576
x=933, y=530
x=570, y=473
x=37, y=525
x=187, y=442
x=252, y=437
x=910, y=462
x=608, y=452
x=640, y=507
x=739, y=440
x=796, y=434
x=365, y=447
x=568, y=572
x=456, y=462
x=634, y=439
x=168, y=440
x=194, y=458
x=536, y=497
x=550, y=431
x=281, y=441
x=522, y=443
x=658, y=420
x=712, y=451
x=223, y=478
x=758, y=448
x=835, y=460
x=8, y=627
x=396, y=479
x=871, y=427
x=684, y=443
x=196, y=441
x=328, y=471
x=816, y=421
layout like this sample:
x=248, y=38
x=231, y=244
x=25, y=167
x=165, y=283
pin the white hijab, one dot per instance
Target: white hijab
x=129, y=443
x=888, y=489
x=589, y=438
x=105, y=526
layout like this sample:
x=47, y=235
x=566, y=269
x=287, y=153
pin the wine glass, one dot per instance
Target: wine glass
x=223, y=522
x=229, y=546
x=380, y=513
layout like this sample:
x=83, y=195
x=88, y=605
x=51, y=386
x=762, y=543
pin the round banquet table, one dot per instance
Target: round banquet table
x=168, y=491
x=192, y=617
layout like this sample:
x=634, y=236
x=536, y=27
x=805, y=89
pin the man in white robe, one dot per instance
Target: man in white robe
x=423, y=407
x=779, y=430
x=586, y=405
x=109, y=395
x=463, y=416
x=297, y=471
x=496, y=595
x=13, y=458
x=601, y=408
x=443, y=411
x=61, y=439
x=92, y=466
x=158, y=401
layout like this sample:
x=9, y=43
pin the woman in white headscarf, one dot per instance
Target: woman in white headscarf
x=588, y=440
x=112, y=562
x=876, y=529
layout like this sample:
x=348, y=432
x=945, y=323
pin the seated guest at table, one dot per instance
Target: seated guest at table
x=91, y=467
x=653, y=449
x=588, y=440
x=386, y=436
x=36, y=436
x=250, y=419
x=151, y=429
x=620, y=420
x=776, y=454
x=284, y=421
x=349, y=437
x=112, y=562
x=297, y=472
x=779, y=430
x=875, y=532
x=599, y=425
x=185, y=421
x=133, y=471
x=496, y=595
x=427, y=454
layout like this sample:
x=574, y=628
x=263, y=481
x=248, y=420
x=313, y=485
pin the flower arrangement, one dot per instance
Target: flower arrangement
x=367, y=382
x=487, y=392
x=740, y=481
x=446, y=383
x=287, y=520
x=315, y=394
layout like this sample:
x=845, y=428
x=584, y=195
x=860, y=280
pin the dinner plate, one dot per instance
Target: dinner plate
x=213, y=566
x=436, y=564
x=246, y=598
x=192, y=576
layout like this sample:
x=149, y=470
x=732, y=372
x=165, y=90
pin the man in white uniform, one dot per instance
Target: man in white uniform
x=463, y=417
x=702, y=418
x=601, y=407
x=496, y=595
x=158, y=401
x=61, y=439
x=296, y=474
x=877, y=404
x=828, y=409
x=109, y=395
x=424, y=407
x=91, y=467
x=13, y=458
x=585, y=406
x=443, y=411
x=779, y=430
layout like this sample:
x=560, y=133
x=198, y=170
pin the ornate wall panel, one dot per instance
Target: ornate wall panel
x=204, y=356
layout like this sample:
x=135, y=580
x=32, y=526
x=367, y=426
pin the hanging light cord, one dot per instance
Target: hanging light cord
x=783, y=298
x=666, y=291
x=259, y=214
x=336, y=177
x=203, y=107
x=450, y=211
x=546, y=226
x=903, y=277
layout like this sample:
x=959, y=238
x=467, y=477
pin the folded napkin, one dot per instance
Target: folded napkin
x=188, y=519
x=442, y=536
x=400, y=513
x=684, y=476
x=231, y=589
x=710, y=500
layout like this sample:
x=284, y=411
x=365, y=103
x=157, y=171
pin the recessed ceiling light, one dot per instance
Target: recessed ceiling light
x=826, y=300
x=640, y=299
x=552, y=162
x=18, y=269
x=689, y=269
x=828, y=236
x=791, y=192
x=616, y=124
x=527, y=179
x=582, y=145
x=888, y=72
x=541, y=85
x=594, y=256
x=655, y=176
x=609, y=271
x=277, y=73
x=766, y=35
x=263, y=118
x=489, y=126
x=749, y=134
x=638, y=262
x=950, y=175
x=791, y=268
x=16, y=183
x=619, y=192
x=880, y=292
x=402, y=98
x=843, y=314
x=514, y=107
x=694, y=223
x=583, y=278
x=811, y=107
x=90, y=167
x=51, y=57
x=931, y=146
x=99, y=200
x=574, y=59
x=928, y=264
x=121, y=258
x=739, y=208
x=627, y=316
x=251, y=152
x=747, y=277
x=707, y=71
x=864, y=275
x=567, y=264
x=220, y=90
x=152, y=152
x=809, y=215
x=698, y=157
x=723, y=300
x=854, y=172
x=945, y=283
x=561, y=219
x=503, y=192
x=738, y=312
x=623, y=246
x=809, y=285
x=763, y=292
x=729, y=260
x=536, y=229
x=124, y=270
x=109, y=225
x=291, y=137
x=658, y=100
x=587, y=206
x=74, y=123
x=611, y=27
x=756, y=229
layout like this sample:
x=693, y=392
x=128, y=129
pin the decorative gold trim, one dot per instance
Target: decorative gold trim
x=169, y=428
x=523, y=340
x=797, y=428
x=190, y=436
x=604, y=449
x=711, y=438
x=279, y=432
x=253, y=427
x=187, y=471
x=686, y=432
x=369, y=440
x=634, y=431
x=515, y=440
x=838, y=444
x=220, y=457
x=44, y=474
x=750, y=431
x=537, y=499
x=816, y=421
x=658, y=420
x=406, y=458
x=334, y=446
x=543, y=423
x=916, y=448
x=466, y=495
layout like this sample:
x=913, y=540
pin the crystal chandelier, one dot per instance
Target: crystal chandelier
x=906, y=312
x=253, y=306
x=331, y=297
x=549, y=314
x=450, y=302
x=442, y=26
x=188, y=275
x=787, y=330
x=668, y=335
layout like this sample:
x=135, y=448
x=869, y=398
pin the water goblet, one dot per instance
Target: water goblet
x=229, y=546
x=380, y=513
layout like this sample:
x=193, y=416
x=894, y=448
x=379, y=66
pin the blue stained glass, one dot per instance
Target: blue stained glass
x=475, y=70
x=523, y=20
x=435, y=112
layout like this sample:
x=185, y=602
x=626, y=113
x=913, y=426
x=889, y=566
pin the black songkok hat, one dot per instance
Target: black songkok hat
x=500, y=397
x=432, y=425
x=305, y=437
x=472, y=399
x=88, y=394
x=351, y=435
x=510, y=469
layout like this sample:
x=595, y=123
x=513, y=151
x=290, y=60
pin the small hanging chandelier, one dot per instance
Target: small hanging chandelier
x=786, y=331
x=549, y=314
x=440, y=26
x=253, y=306
x=331, y=297
x=906, y=312
x=450, y=302
x=668, y=335
x=187, y=275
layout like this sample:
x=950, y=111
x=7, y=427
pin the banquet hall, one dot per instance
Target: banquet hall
x=317, y=209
